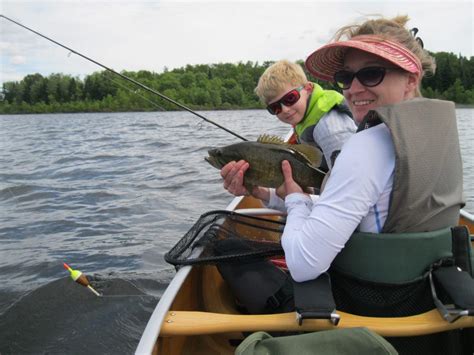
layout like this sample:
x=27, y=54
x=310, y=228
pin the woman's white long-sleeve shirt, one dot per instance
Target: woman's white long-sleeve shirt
x=357, y=194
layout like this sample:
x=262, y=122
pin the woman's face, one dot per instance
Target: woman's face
x=397, y=85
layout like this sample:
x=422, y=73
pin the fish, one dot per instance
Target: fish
x=265, y=156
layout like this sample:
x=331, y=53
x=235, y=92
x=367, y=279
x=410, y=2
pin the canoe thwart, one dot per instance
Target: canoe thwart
x=200, y=323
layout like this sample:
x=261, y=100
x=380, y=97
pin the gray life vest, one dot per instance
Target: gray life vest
x=427, y=184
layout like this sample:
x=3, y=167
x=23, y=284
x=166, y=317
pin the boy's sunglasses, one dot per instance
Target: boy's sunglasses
x=289, y=99
x=369, y=76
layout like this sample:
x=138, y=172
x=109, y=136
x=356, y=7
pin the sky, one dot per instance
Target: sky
x=154, y=35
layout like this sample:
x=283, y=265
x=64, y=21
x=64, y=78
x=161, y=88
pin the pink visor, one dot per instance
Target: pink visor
x=329, y=59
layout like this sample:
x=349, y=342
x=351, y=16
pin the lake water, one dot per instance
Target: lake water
x=109, y=194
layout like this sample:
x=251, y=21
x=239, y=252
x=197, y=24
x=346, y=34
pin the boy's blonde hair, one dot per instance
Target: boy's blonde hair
x=276, y=77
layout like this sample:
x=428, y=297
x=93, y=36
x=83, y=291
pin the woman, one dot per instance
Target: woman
x=401, y=173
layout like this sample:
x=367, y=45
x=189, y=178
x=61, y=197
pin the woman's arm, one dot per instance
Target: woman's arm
x=315, y=233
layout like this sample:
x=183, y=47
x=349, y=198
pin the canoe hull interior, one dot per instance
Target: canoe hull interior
x=204, y=290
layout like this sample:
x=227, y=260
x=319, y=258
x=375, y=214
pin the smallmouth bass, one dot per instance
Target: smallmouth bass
x=265, y=156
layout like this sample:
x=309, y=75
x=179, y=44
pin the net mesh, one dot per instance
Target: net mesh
x=210, y=239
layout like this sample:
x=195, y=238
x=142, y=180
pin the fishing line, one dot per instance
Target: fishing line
x=144, y=295
x=127, y=78
x=135, y=93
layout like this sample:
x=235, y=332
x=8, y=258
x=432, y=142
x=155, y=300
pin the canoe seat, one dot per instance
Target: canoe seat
x=220, y=315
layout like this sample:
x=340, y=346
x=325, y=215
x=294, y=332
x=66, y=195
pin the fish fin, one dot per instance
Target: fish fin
x=270, y=139
x=310, y=153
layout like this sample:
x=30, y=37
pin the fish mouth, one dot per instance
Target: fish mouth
x=214, y=159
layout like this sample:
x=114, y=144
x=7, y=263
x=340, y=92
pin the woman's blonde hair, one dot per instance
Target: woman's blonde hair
x=276, y=77
x=392, y=29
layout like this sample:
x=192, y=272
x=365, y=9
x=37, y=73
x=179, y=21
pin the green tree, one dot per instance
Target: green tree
x=98, y=85
x=203, y=86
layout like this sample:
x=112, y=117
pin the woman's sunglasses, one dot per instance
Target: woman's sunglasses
x=369, y=76
x=289, y=99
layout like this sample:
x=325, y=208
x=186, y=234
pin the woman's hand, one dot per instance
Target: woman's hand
x=289, y=186
x=233, y=175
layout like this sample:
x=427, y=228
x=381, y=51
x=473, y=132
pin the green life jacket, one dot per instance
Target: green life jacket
x=321, y=102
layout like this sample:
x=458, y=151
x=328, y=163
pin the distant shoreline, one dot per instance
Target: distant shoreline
x=457, y=106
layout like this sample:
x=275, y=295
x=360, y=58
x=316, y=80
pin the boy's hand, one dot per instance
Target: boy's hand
x=289, y=186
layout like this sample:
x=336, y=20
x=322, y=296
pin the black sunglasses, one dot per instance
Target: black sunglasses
x=369, y=76
x=289, y=99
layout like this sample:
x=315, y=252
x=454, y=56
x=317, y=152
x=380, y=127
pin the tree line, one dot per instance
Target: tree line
x=200, y=87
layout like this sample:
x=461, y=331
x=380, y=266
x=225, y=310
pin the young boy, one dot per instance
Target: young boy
x=318, y=116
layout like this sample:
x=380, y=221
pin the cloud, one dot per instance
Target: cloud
x=152, y=35
x=17, y=59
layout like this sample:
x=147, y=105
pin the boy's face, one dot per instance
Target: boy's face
x=293, y=114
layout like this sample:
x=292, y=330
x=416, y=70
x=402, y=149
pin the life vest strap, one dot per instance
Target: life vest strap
x=314, y=300
x=458, y=285
x=461, y=247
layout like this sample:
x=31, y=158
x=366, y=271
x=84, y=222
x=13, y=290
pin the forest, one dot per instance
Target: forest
x=199, y=87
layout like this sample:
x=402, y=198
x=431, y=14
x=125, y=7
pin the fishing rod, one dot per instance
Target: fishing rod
x=127, y=78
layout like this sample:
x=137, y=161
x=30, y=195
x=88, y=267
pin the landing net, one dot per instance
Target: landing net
x=225, y=236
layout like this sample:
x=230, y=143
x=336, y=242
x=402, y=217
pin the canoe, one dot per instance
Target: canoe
x=197, y=315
